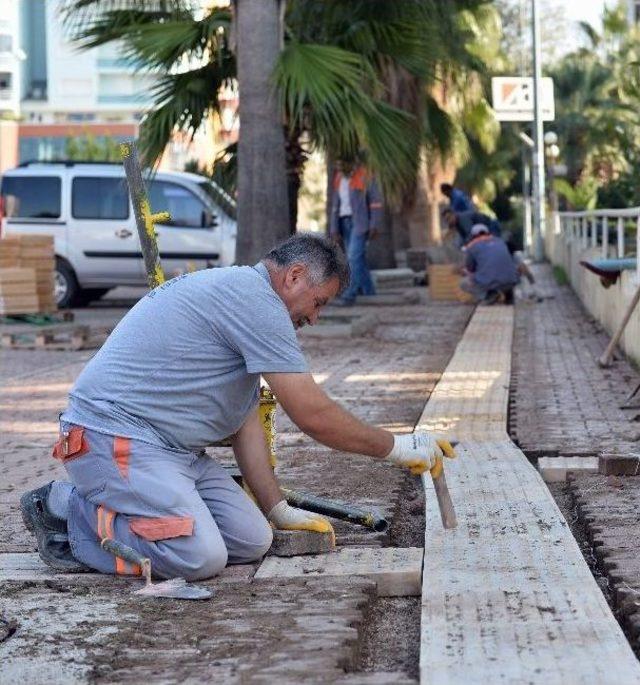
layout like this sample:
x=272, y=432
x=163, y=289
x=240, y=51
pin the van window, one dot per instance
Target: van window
x=99, y=198
x=185, y=208
x=31, y=197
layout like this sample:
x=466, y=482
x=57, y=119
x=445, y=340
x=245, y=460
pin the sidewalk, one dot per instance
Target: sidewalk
x=562, y=402
x=311, y=630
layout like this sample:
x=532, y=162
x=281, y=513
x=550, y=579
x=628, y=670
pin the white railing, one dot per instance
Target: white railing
x=592, y=229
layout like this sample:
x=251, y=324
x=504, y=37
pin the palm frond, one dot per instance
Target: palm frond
x=181, y=102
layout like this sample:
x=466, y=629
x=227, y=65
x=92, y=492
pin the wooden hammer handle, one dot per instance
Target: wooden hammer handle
x=447, y=512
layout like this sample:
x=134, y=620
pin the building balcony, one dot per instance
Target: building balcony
x=132, y=99
x=113, y=64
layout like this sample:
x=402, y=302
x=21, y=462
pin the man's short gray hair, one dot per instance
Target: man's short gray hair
x=324, y=258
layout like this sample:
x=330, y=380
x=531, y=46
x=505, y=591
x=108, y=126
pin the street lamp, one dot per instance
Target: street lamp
x=552, y=152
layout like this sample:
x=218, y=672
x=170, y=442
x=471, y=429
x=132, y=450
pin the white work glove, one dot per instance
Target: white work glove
x=420, y=452
x=285, y=517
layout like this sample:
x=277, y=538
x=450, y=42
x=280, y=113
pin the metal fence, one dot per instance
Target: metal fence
x=615, y=231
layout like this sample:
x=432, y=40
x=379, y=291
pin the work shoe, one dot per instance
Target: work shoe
x=49, y=530
x=36, y=514
x=491, y=298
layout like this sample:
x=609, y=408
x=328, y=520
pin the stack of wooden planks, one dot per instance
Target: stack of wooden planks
x=26, y=268
x=18, y=293
x=444, y=283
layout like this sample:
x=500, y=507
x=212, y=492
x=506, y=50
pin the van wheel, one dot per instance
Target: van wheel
x=66, y=289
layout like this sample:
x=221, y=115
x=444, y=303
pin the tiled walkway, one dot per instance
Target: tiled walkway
x=507, y=596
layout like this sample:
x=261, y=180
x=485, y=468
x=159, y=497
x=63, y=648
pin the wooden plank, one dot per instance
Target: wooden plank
x=506, y=596
x=396, y=570
x=444, y=283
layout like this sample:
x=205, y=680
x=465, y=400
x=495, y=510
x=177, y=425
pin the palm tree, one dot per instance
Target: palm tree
x=263, y=210
x=335, y=79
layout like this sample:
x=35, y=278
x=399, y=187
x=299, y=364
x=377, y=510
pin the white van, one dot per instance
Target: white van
x=86, y=208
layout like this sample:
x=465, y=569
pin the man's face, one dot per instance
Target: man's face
x=346, y=166
x=303, y=299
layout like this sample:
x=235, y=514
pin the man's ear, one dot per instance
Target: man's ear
x=294, y=273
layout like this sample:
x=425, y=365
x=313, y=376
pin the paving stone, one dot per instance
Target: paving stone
x=625, y=465
x=290, y=543
x=561, y=399
x=396, y=571
x=609, y=507
x=556, y=469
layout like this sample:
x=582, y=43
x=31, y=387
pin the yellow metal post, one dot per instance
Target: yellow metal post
x=145, y=219
x=267, y=411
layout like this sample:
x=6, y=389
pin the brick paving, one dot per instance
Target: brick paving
x=562, y=402
x=288, y=632
x=608, y=507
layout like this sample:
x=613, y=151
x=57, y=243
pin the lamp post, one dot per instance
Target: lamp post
x=538, y=150
x=551, y=152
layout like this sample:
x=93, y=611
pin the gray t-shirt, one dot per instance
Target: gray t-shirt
x=182, y=369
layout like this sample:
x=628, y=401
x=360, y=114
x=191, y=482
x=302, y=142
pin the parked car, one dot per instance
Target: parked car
x=86, y=208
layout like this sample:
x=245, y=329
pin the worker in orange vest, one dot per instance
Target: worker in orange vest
x=356, y=215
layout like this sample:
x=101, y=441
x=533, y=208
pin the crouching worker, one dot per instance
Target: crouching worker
x=180, y=372
x=492, y=272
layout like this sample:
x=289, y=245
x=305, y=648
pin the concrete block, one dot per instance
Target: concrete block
x=555, y=469
x=393, y=278
x=333, y=325
x=390, y=299
x=292, y=543
x=616, y=465
x=396, y=571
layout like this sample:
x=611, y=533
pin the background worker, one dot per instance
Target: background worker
x=180, y=372
x=492, y=272
x=356, y=215
x=462, y=222
x=459, y=201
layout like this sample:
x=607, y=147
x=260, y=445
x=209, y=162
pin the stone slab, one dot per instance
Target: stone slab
x=556, y=469
x=393, y=278
x=291, y=543
x=507, y=596
x=27, y=566
x=619, y=465
x=396, y=571
x=345, y=325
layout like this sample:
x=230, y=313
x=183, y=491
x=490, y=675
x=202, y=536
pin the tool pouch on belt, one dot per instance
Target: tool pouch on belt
x=71, y=444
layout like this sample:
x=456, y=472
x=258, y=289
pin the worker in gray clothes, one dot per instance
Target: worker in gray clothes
x=180, y=372
x=491, y=270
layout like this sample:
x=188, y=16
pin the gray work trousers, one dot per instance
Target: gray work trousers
x=470, y=286
x=182, y=510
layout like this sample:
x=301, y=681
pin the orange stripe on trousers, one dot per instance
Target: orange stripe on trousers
x=105, y=530
x=121, y=453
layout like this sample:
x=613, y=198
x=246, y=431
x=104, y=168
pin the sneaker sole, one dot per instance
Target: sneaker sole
x=28, y=522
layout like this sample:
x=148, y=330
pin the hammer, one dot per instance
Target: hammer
x=447, y=512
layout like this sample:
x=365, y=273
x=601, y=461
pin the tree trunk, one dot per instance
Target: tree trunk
x=263, y=210
x=380, y=251
x=296, y=158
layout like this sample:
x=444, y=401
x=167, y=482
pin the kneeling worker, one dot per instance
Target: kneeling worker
x=492, y=271
x=181, y=371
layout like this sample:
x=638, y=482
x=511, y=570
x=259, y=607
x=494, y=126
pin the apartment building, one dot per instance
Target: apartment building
x=50, y=92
